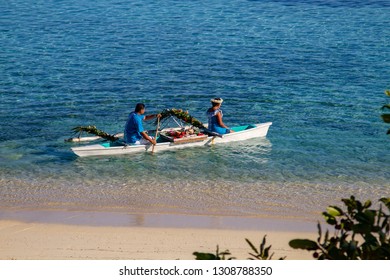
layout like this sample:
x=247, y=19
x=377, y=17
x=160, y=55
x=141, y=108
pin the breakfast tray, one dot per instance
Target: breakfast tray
x=184, y=139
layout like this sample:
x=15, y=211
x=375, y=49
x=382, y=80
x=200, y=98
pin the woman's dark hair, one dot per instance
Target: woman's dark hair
x=139, y=107
x=215, y=103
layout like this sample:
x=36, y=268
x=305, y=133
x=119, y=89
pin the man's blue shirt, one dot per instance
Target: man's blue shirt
x=134, y=128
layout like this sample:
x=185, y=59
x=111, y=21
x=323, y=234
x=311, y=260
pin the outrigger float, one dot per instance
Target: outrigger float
x=196, y=135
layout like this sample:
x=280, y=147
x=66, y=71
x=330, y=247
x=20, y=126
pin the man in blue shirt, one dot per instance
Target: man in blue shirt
x=134, y=131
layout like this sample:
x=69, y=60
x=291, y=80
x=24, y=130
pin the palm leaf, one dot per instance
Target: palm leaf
x=252, y=246
x=386, y=118
x=91, y=129
x=181, y=115
x=386, y=106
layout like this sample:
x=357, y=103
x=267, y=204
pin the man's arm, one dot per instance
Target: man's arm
x=147, y=137
x=149, y=117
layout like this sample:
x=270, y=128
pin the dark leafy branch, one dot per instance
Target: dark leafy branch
x=213, y=257
x=360, y=233
x=181, y=115
x=261, y=253
x=91, y=129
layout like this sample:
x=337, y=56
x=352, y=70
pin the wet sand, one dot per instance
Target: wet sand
x=43, y=241
x=102, y=235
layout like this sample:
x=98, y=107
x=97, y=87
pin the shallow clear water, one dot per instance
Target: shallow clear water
x=316, y=69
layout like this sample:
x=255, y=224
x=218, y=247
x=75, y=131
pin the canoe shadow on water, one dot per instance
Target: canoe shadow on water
x=219, y=156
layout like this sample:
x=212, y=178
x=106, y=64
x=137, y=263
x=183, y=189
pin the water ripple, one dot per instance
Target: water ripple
x=316, y=69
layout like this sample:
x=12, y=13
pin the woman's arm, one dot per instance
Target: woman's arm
x=219, y=120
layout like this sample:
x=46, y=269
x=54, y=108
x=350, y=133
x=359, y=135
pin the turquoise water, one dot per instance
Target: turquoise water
x=316, y=69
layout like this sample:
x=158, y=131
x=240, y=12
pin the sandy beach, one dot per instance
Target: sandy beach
x=26, y=240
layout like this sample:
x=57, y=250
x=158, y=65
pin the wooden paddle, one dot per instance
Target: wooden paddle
x=155, y=137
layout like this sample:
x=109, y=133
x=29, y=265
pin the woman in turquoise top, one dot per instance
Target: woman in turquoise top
x=215, y=115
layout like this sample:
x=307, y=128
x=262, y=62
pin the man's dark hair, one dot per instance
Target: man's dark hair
x=139, y=107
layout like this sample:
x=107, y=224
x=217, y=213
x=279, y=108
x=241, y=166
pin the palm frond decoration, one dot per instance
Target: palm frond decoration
x=93, y=130
x=181, y=115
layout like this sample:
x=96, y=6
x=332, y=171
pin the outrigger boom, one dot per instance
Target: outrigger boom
x=89, y=138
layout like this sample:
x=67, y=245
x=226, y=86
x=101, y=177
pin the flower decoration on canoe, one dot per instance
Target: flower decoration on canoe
x=181, y=115
x=183, y=133
x=93, y=130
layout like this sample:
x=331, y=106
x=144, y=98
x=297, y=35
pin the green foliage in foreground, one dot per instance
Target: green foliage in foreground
x=361, y=233
x=261, y=253
x=212, y=257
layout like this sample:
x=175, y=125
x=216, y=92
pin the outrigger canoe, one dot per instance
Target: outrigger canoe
x=164, y=143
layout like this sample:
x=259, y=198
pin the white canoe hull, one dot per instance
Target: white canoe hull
x=259, y=130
